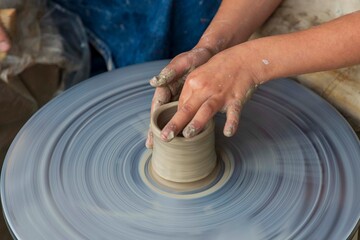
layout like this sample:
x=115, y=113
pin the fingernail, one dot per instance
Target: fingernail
x=189, y=131
x=229, y=131
x=4, y=46
x=164, y=76
x=155, y=81
x=167, y=137
x=168, y=132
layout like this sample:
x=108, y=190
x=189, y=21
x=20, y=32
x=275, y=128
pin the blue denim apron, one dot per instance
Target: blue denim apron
x=132, y=31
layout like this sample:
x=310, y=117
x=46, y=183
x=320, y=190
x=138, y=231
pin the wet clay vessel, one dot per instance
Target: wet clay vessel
x=182, y=160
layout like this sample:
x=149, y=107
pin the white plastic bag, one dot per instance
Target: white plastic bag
x=46, y=34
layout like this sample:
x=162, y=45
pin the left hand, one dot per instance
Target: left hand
x=224, y=84
x=171, y=79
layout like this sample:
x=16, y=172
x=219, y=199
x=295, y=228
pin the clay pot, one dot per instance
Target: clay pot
x=182, y=160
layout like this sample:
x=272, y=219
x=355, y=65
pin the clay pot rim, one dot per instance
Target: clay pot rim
x=208, y=129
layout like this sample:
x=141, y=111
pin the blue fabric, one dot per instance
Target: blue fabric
x=137, y=31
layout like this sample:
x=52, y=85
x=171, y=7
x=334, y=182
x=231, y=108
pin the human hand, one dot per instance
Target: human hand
x=4, y=40
x=171, y=79
x=224, y=84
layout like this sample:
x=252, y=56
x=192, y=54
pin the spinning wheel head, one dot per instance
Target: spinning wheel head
x=290, y=172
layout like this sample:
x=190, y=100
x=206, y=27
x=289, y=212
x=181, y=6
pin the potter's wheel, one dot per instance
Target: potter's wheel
x=75, y=171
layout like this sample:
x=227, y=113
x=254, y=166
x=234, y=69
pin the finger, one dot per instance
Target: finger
x=232, y=118
x=176, y=87
x=162, y=95
x=149, y=139
x=166, y=75
x=182, y=117
x=181, y=65
x=206, y=112
x=185, y=95
x=4, y=40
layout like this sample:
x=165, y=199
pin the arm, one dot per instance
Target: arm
x=235, y=22
x=332, y=45
x=228, y=79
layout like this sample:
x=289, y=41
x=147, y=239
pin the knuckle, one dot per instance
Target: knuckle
x=197, y=124
x=162, y=94
x=238, y=95
x=195, y=82
x=202, y=51
x=235, y=107
x=187, y=108
x=234, y=122
x=177, y=58
x=209, y=108
x=233, y=117
x=175, y=87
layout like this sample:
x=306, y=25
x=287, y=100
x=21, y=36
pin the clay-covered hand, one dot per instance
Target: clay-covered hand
x=224, y=83
x=233, y=24
x=171, y=79
x=4, y=40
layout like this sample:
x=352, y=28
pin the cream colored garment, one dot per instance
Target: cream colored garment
x=340, y=87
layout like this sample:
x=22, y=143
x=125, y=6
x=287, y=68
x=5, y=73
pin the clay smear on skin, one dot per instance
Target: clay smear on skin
x=265, y=61
x=165, y=75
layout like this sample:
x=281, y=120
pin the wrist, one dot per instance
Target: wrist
x=213, y=43
x=253, y=61
x=264, y=57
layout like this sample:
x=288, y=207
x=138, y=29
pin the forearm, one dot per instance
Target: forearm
x=328, y=46
x=235, y=21
x=227, y=79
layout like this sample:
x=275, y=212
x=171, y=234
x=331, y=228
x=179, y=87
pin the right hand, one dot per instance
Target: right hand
x=171, y=79
x=4, y=40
